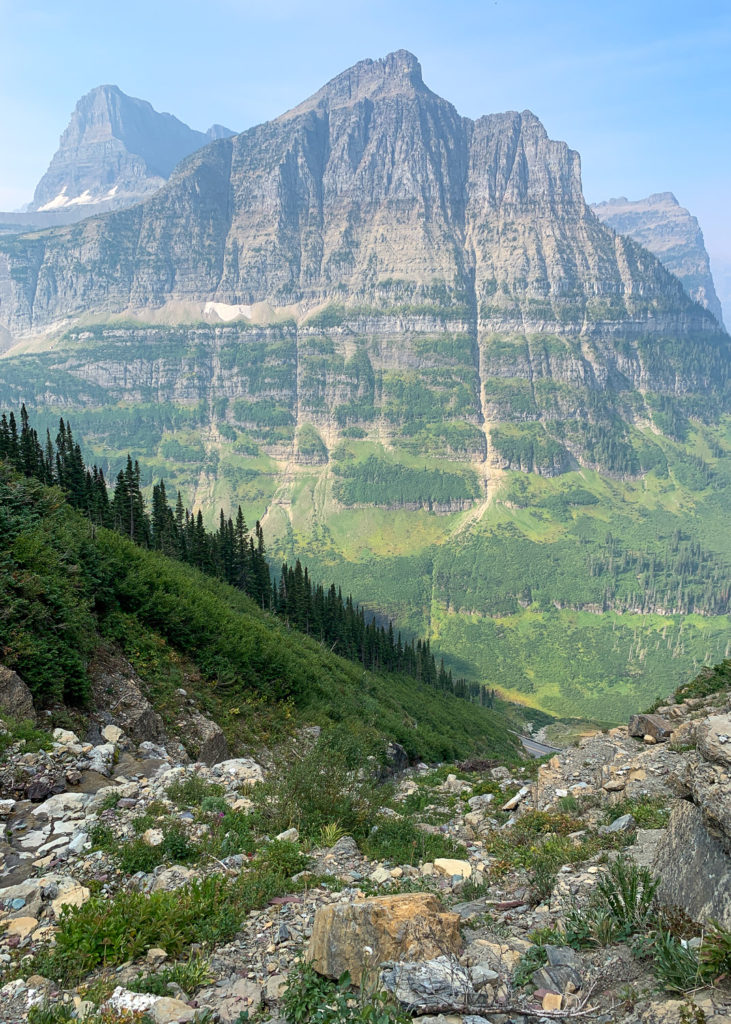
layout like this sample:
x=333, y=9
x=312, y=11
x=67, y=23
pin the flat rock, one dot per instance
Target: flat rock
x=449, y=868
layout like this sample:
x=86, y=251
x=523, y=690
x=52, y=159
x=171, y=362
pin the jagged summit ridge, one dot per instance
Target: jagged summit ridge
x=398, y=73
x=374, y=192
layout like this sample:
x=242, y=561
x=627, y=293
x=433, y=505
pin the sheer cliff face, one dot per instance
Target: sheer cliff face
x=374, y=192
x=116, y=150
x=670, y=232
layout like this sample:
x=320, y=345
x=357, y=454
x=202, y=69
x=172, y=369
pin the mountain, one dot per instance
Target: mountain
x=671, y=233
x=402, y=338
x=115, y=151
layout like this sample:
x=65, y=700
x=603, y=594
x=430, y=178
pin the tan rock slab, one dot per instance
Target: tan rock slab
x=448, y=867
x=552, y=1001
x=360, y=935
x=74, y=895
x=171, y=1011
x=21, y=926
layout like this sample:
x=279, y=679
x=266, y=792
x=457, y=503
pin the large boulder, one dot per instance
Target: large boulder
x=116, y=685
x=650, y=725
x=714, y=739
x=357, y=937
x=205, y=739
x=693, y=867
x=16, y=699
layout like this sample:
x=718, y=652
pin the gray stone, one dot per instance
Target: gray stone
x=430, y=985
x=206, y=739
x=625, y=823
x=16, y=699
x=693, y=867
x=650, y=725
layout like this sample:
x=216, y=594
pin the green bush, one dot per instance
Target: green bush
x=401, y=842
x=311, y=999
x=190, y=975
x=25, y=732
x=106, y=932
x=192, y=791
x=324, y=785
x=648, y=812
x=676, y=966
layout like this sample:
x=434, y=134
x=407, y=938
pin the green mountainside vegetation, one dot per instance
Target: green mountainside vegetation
x=69, y=585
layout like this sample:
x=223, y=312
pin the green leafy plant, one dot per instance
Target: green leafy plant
x=192, y=791
x=190, y=975
x=310, y=999
x=676, y=966
x=401, y=842
x=627, y=892
x=715, y=952
x=529, y=962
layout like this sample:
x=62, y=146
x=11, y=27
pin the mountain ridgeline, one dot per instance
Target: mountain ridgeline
x=402, y=340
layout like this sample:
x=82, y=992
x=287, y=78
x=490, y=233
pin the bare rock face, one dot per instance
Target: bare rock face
x=693, y=867
x=16, y=699
x=117, y=691
x=206, y=739
x=359, y=936
x=670, y=232
x=714, y=739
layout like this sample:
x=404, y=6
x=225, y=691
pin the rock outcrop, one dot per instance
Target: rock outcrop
x=16, y=699
x=357, y=937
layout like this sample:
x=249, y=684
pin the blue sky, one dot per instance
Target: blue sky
x=641, y=89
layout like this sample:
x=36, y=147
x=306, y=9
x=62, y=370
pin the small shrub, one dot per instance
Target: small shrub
x=676, y=966
x=715, y=952
x=648, y=812
x=310, y=999
x=110, y=801
x=325, y=784
x=192, y=791
x=401, y=842
x=25, y=732
x=627, y=892
x=529, y=962
x=213, y=805
x=139, y=856
x=190, y=975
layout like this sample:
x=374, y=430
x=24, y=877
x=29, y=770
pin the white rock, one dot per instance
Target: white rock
x=449, y=868
x=6, y=807
x=290, y=835
x=65, y=737
x=112, y=733
x=57, y=806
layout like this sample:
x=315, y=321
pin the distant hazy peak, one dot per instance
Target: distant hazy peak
x=670, y=232
x=115, y=150
x=398, y=73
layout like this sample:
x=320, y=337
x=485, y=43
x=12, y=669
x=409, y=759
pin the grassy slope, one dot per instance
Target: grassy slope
x=65, y=590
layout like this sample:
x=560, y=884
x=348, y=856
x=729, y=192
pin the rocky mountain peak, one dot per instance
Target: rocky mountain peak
x=398, y=73
x=115, y=150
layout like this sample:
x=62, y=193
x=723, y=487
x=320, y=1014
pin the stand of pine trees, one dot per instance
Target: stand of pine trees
x=229, y=553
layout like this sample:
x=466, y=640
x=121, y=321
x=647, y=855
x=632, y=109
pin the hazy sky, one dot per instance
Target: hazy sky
x=641, y=89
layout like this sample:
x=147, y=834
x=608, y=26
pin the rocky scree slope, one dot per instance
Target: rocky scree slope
x=670, y=232
x=488, y=890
